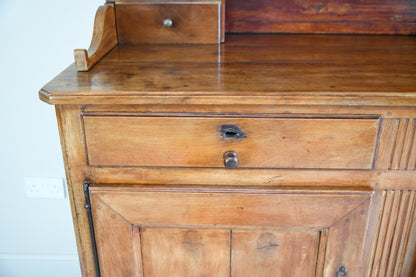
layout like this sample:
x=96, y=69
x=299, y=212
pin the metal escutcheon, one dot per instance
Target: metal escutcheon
x=232, y=132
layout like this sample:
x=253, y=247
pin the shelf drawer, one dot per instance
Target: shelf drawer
x=187, y=141
x=169, y=22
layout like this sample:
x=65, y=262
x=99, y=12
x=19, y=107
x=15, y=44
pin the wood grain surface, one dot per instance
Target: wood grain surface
x=235, y=79
x=385, y=112
x=347, y=234
x=397, y=145
x=274, y=253
x=262, y=48
x=194, y=22
x=73, y=145
x=115, y=246
x=395, y=244
x=197, y=142
x=183, y=230
x=104, y=38
x=143, y=110
x=213, y=207
x=276, y=69
x=73, y=151
x=185, y=252
x=327, y=16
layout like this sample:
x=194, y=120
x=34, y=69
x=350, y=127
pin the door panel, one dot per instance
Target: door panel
x=116, y=240
x=185, y=252
x=199, y=206
x=274, y=253
x=345, y=242
x=238, y=231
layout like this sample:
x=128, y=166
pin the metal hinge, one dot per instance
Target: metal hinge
x=342, y=272
x=90, y=222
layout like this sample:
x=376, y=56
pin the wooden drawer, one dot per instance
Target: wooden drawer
x=269, y=142
x=192, y=22
x=201, y=231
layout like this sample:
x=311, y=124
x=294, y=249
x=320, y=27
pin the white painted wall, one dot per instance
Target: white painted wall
x=37, y=39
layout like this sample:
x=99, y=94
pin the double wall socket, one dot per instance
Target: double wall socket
x=51, y=188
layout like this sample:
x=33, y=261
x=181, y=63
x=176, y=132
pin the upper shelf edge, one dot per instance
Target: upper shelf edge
x=292, y=69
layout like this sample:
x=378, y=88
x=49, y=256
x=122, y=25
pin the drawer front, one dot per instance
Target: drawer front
x=193, y=22
x=203, y=141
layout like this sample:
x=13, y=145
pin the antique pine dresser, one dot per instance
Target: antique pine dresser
x=243, y=138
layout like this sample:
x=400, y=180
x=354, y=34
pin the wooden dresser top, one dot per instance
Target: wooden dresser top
x=251, y=69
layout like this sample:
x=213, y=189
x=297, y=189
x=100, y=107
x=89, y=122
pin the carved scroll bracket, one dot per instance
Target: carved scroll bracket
x=104, y=38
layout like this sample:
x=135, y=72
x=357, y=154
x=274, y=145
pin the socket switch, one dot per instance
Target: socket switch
x=51, y=188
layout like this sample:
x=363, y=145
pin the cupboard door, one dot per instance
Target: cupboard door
x=237, y=231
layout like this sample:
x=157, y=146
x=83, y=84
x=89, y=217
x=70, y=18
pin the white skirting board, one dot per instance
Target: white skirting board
x=39, y=265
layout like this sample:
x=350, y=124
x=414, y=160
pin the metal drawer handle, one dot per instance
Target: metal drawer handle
x=230, y=159
x=232, y=132
x=167, y=23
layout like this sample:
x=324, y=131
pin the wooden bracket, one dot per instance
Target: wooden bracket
x=104, y=38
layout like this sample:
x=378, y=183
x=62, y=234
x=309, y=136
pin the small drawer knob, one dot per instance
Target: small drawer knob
x=167, y=23
x=230, y=159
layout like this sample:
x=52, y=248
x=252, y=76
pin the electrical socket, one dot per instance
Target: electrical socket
x=51, y=188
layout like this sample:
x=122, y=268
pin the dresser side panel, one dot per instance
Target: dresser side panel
x=73, y=149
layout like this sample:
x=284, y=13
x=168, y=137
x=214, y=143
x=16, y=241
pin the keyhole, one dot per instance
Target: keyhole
x=232, y=132
x=231, y=135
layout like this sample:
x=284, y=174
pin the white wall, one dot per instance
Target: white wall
x=37, y=39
